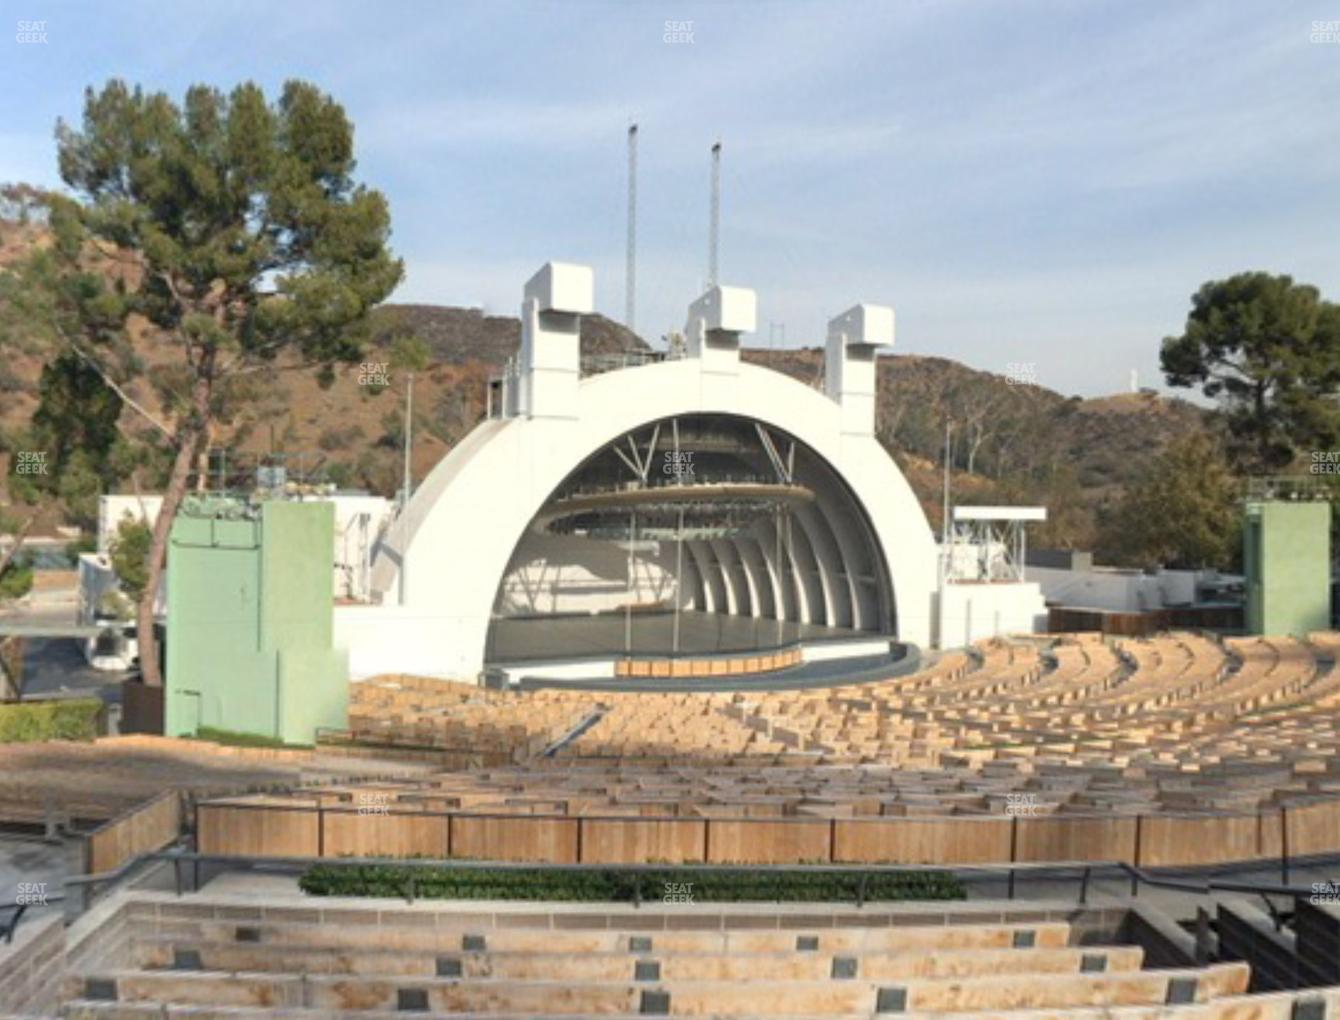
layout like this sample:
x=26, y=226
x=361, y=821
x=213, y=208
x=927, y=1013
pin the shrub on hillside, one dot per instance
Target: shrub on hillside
x=30, y=721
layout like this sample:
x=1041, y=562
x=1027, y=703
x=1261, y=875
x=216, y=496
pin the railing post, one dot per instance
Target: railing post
x=1135, y=868
x=1084, y=885
x=176, y=871
x=1010, y=894
x=1284, y=845
x=14, y=922
x=860, y=889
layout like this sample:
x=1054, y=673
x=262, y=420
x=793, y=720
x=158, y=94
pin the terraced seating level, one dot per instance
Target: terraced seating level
x=205, y=959
x=1166, y=750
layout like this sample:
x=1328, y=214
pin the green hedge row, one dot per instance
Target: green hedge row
x=600, y=886
x=70, y=719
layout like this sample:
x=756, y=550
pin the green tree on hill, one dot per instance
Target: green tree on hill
x=233, y=226
x=1183, y=512
x=1268, y=350
x=129, y=550
x=76, y=426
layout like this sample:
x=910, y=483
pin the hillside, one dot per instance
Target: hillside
x=1010, y=441
x=1021, y=443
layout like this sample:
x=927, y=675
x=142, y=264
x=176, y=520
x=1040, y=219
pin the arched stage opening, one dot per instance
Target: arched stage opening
x=693, y=534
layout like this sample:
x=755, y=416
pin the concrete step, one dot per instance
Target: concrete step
x=169, y=953
x=674, y=998
x=388, y=935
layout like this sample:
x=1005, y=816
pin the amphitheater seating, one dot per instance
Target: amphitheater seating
x=240, y=962
x=415, y=712
x=1068, y=727
x=98, y=780
x=1078, y=728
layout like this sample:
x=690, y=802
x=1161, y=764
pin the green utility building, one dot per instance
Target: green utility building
x=1287, y=563
x=249, y=619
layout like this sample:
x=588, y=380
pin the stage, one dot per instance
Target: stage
x=589, y=650
x=545, y=638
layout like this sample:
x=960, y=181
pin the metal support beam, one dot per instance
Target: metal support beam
x=778, y=465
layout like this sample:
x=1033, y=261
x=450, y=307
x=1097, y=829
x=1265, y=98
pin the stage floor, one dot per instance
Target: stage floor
x=541, y=638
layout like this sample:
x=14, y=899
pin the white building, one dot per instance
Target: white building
x=695, y=505
x=1074, y=582
x=118, y=507
x=985, y=590
x=360, y=522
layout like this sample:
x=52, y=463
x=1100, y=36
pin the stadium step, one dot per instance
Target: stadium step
x=168, y=953
x=672, y=998
x=397, y=935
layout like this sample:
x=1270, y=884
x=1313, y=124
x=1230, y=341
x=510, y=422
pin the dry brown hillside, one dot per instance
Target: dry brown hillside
x=1006, y=436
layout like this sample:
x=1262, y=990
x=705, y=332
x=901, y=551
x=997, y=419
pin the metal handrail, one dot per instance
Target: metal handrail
x=1087, y=869
x=1085, y=873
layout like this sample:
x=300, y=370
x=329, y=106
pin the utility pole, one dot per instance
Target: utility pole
x=944, y=521
x=408, y=440
x=406, y=483
x=630, y=265
x=714, y=226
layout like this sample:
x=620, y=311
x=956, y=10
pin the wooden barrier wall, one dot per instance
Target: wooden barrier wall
x=149, y=826
x=310, y=829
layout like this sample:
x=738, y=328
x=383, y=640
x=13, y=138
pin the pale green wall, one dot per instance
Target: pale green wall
x=1287, y=563
x=250, y=607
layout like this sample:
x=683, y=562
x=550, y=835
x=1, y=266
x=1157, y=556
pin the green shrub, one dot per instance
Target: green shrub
x=85, y=543
x=69, y=719
x=609, y=886
x=17, y=579
x=234, y=738
x=339, y=437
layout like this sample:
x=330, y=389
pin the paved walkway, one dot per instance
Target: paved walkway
x=29, y=862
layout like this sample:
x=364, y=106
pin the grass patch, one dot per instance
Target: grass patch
x=232, y=738
x=64, y=719
x=600, y=886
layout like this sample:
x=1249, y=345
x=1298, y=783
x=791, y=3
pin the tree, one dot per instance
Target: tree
x=234, y=227
x=1182, y=513
x=1069, y=523
x=78, y=414
x=16, y=576
x=16, y=580
x=1268, y=350
x=129, y=549
x=76, y=425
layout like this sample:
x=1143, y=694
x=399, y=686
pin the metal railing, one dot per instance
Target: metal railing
x=83, y=889
x=188, y=864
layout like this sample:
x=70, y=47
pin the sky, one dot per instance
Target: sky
x=1036, y=186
